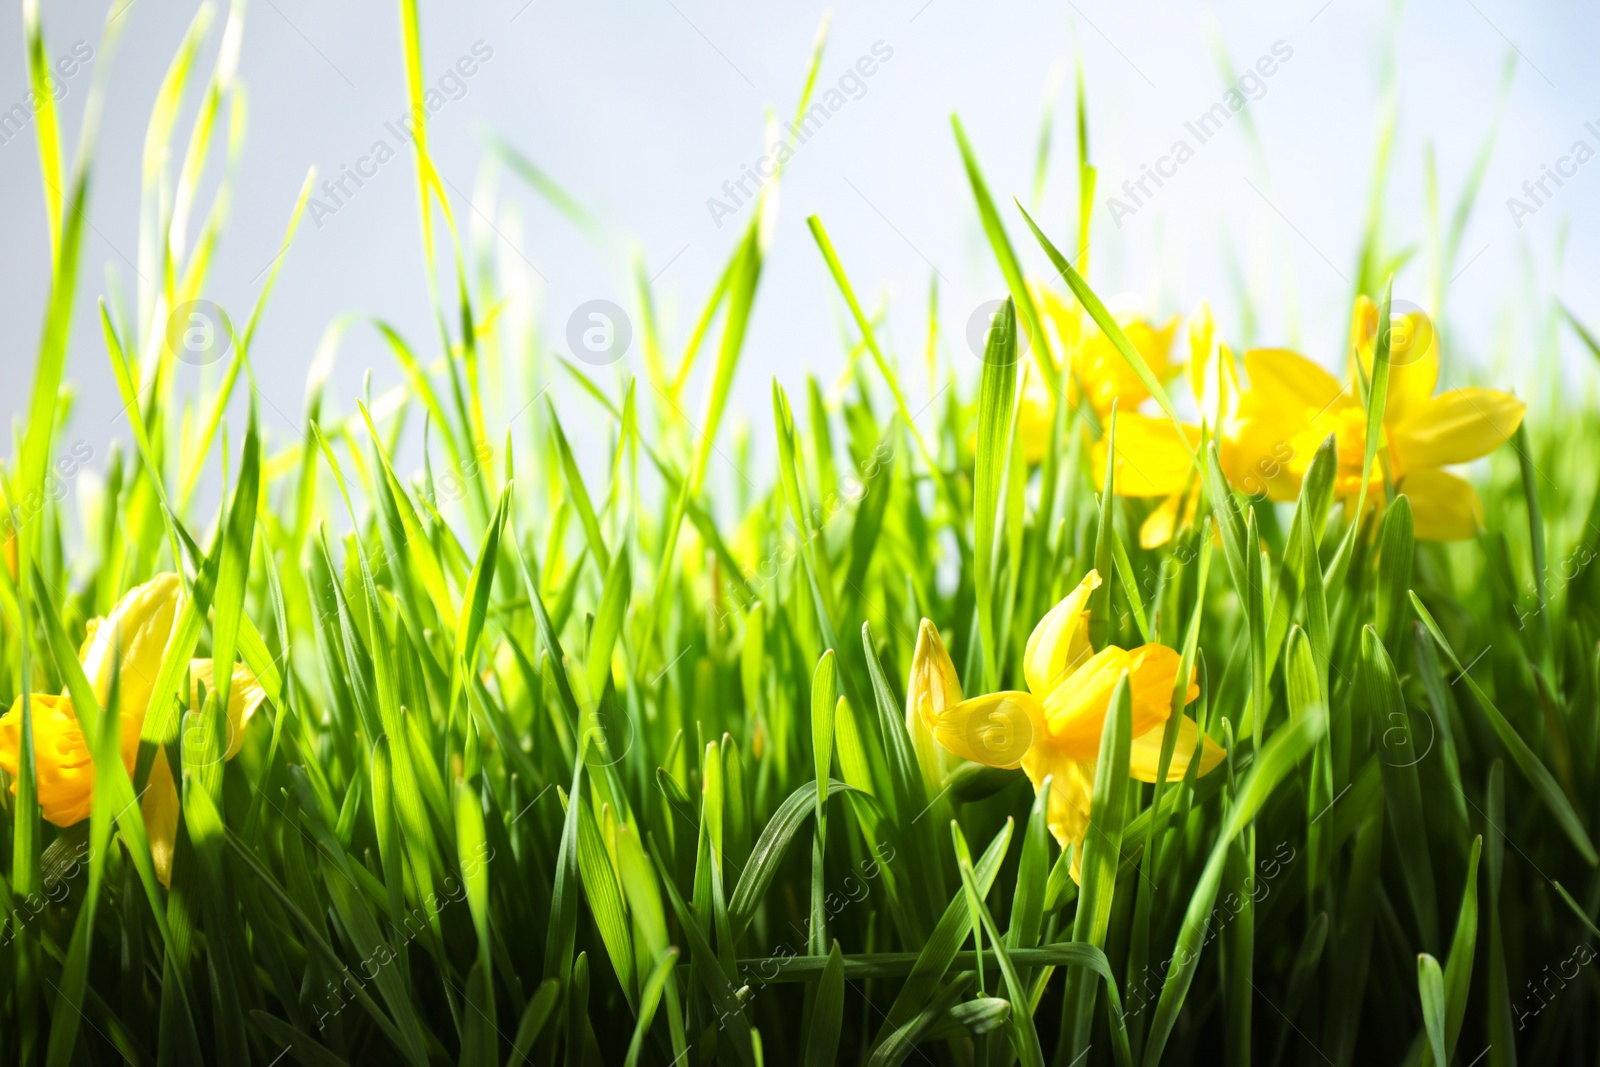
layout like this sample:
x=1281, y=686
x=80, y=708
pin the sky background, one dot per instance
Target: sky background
x=642, y=109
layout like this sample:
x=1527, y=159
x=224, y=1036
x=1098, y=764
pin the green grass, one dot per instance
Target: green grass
x=618, y=769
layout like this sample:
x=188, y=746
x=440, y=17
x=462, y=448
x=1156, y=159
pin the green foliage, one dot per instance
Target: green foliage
x=595, y=771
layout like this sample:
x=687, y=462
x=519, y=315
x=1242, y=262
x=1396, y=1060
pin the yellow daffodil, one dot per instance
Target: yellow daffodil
x=1290, y=408
x=1052, y=729
x=1153, y=462
x=136, y=633
x=1292, y=405
x=932, y=689
x=1096, y=364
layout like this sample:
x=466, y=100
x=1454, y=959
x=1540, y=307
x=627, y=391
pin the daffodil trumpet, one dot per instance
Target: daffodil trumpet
x=128, y=644
x=1052, y=729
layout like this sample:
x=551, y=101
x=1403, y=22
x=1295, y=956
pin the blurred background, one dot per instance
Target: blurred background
x=642, y=110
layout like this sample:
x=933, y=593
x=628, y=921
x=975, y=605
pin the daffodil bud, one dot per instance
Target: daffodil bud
x=932, y=688
x=129, y=644
x=136, y=632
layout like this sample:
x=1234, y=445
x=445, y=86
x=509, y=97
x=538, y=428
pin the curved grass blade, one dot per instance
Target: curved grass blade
x=1532, y=768
x=769, y=851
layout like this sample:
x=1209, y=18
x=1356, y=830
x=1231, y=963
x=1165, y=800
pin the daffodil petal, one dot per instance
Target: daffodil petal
x=1156, y=530
x=1443, y=506
x=1061, y=640
x=159, y=806
x=1075, y=710
x=1071, y=792
x=1152, y=675
x=63, y=768
x=1256, y=457
x=1035, y=418
x=996, y=729
x=137, y=630
x=1290, y=385
x=245, y=695
x=1202, y=333
x=1107, y=376
x=1456, y=427
x=1412, y=375
x=1144, y=756
x=1151, y=458
x=932, y=687
x=1413, y=357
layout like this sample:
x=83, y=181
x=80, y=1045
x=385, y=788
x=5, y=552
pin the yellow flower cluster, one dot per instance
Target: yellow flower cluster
x=1052, y=729
x=129, y=642
x=1290, y=405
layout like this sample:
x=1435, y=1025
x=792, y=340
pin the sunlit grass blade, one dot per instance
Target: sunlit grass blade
x=996, y=396
x=1000, y=243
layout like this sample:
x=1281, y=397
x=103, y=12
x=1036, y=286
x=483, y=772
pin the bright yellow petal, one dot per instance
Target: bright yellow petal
x=1144, y=757
x=137, y=631
x=159, y=806
x=1256, y=457
x=1064, y=316
x=245, y=695
x=1443, y=506
x=1456, y=427
x=1107, y=376
x=1413, y=357
x=1153, y=674
x=1071, y=792
x=997, y=729
x=1060, y=643
x=1075, y=710
x=64, y=770
x=1035, y=418
x=1289, y=386
x=1151, y=458
x=1156, y=530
